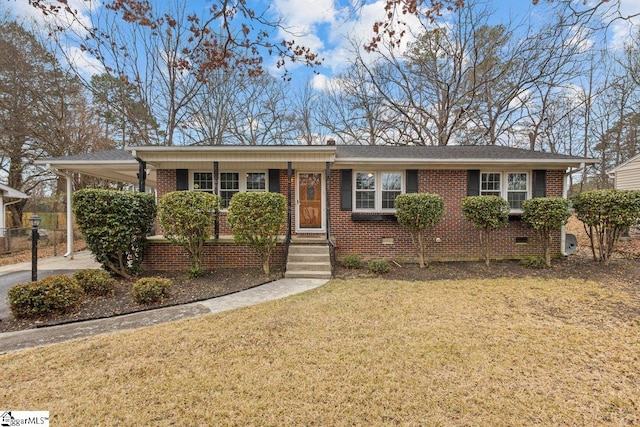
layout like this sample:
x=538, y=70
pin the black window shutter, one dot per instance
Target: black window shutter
x=346, y=185
x=274, y=180
x=539, y=183
x=412, y=181
x=182, y=179
x=473, y=182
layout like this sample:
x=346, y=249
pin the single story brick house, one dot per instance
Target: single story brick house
x=343, y=196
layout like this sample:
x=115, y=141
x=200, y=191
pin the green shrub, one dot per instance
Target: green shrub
x=95, y=282
x=378, y=267
x=352, y=261
x=545, y=215
x=606, y=214
x=53, y=294
x=256, y=219
x=418, y=212
x=487, y=213
x=186, y=218
x=115, y=225
x=533, y=261
x=149, y=290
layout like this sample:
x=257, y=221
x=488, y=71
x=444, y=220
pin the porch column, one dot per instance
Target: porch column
x=289, y=207
x=328, y=200
x=216, y=222
x=69, y=252
x=142, y=174
x=2, y=215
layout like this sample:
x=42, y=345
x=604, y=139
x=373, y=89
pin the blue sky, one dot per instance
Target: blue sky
x=327, y=25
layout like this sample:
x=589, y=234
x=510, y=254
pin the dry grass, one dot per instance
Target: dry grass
x=374, y=352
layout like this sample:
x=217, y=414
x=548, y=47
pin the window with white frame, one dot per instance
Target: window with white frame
x=230, y=183
x=517, y=189
x=511, y=186
x=203, y=181
x=256, y=181
x=376, y=191
x=234, y=182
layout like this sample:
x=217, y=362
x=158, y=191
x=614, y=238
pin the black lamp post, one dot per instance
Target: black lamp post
x=35, y=222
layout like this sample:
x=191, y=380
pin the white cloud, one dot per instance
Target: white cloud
x=71, y=23
x=320, y=82
x=622, y=29
x=39, y=22
x=83, y=62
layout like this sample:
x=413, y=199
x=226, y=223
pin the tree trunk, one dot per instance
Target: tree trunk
x=421, y=250
x=265, y=267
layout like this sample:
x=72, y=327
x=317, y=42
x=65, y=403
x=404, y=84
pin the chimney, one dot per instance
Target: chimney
x=331, y=141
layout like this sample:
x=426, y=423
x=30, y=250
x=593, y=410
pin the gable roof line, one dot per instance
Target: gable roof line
x=625, y=164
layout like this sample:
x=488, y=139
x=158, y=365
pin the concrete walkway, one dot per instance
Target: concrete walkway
x=80, y=260
x=11, y=341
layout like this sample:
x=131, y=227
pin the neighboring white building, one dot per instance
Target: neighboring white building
x=626, y=176
x=8, y=196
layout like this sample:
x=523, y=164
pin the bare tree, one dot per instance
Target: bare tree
x=353, y=105
x=261, y=113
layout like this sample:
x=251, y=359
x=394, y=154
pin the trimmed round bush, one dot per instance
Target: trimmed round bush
x=352, y=261
x=149, y=290
x=378, y=266
x=53, y=294
x=95, y=282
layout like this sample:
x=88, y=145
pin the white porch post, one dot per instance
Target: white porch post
x=69, y=252
x=2, y=217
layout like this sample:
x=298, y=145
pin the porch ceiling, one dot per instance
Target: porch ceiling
x=115, y=165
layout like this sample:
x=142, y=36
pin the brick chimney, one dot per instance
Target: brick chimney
x=331, y=141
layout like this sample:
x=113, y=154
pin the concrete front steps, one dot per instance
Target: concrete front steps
x=308, y=261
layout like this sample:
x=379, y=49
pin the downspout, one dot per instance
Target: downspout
x=69, y=252
x=565, y=191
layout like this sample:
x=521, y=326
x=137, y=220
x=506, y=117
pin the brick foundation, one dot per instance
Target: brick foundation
x=161, y=255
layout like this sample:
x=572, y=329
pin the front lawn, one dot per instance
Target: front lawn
x=358, y=352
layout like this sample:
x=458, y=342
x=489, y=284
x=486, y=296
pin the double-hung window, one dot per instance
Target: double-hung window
x=511, y=186
x=230, y=183
x=203, y=181
x=517, y=189
x=377, y=191
x=234, y=182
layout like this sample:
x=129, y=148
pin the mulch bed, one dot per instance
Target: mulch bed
x=185, y=289
x=624, y=269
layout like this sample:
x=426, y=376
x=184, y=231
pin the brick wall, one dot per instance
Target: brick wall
x=385, y=239
x=457, y=238
x=161, y=255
